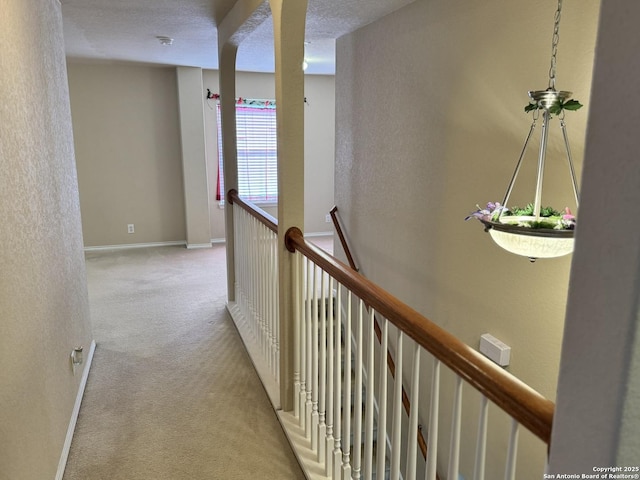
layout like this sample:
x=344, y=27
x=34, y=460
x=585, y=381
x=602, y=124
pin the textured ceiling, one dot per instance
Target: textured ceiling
x=126, y=30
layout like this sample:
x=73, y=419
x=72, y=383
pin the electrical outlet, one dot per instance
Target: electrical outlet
x=130, y=228
x=327, y=218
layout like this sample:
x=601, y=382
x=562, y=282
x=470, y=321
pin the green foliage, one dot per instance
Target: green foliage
x=528, y=211
x=568, y=105
x=556, y=109
x=550, y=223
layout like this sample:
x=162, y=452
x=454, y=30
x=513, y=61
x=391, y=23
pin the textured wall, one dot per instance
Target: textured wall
x=44, y=310
x=127, y=140
x=429, y=123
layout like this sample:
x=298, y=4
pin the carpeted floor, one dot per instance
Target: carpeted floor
x=172, y=393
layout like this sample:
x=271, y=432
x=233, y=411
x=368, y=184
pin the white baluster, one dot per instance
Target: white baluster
x=309, y=349
x=242, y=270
x=264, y=273
x=481, y=446
x=237, y=246
x=296, y=336
x=252, y=243
x=276, y=300
x=246, y=278
x=454, y=450
x=302, y=341
x=434, y=412
x=346, y=436
x=253, y=286
x=396, y=442
x=238, y=215
x=337, y=393
x=262, y=294
x=322, y=381
x=252, y=317
x=368, y=423
x=510, y=470
x=382, y=398
x=412, y=441
x=328, y=461
x=357, y=403
x=315, y=417
x=276, y=303
x=259, y=293
x=240, y=266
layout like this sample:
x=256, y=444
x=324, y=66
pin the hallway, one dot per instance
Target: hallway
x=172, y=393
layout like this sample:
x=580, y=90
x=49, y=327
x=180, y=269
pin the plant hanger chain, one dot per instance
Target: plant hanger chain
x=554, y=47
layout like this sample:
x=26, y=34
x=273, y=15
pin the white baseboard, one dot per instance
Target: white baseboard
x=193, y=246
x=135, y=245
x=214, y=241
x=307, y=458
x=319, y=234
x=74, y=414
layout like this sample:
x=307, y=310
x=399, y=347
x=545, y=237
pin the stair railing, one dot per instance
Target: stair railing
x=406, y=403
x=323, y=411
x=255, y=309
x=335, y=304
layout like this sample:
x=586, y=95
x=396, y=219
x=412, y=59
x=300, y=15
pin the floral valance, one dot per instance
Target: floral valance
x=246, y=102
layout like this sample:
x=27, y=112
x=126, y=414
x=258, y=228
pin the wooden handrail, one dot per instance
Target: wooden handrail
x=376, y=326
x=525, y=405
x=267, y=220
x=343, y=240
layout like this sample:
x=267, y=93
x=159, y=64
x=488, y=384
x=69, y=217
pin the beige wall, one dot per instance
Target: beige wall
x=429, y=123
x=44, y=311
x=127, y=137
x=319, y=143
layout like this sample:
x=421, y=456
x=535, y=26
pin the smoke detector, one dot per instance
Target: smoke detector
x=165, y=40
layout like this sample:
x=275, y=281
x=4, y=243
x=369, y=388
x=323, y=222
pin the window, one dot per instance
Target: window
x=257, y=152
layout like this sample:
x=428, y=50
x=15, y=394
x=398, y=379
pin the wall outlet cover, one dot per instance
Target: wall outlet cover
x=495, y=350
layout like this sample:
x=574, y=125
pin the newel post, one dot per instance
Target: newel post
x=289, y=29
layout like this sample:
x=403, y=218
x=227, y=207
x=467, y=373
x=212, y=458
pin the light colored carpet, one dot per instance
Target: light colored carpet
x=172, y=393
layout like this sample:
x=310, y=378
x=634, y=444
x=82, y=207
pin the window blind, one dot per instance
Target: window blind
x=257, y=149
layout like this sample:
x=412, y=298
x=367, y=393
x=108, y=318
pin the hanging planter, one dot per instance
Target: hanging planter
x=518, y=231
x=536, y=231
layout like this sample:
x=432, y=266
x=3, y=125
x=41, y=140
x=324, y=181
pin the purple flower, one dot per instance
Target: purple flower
x=490, y=213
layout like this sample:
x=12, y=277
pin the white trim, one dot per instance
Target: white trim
x=134, y=245
x=307, y=458
x=192, y=246
x=221, y=240
x=319, y=234
x=74, y=414
x=271, y=387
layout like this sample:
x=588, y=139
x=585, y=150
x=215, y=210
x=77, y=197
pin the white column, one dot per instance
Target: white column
x=288, y=28
x=597, y=419
x=194, y=162
x=237, y=25
x=227, y=81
